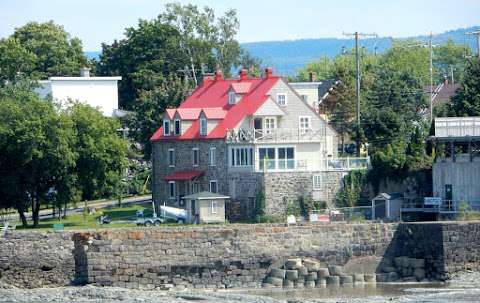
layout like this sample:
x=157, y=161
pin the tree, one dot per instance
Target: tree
x=451, y=57
x=252, y=64
x=15, y=60
x=49, y=48
x=467, y=100
x=100, y=152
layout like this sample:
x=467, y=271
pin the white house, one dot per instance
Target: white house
x=101, y=92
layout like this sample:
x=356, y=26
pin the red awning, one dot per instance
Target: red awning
x=183, y=175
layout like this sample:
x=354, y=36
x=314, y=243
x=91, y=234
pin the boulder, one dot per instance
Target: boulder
x=312, y=276
x=311, y=265
x=321, y=282
x=310, y=284
x=392, y=277
x=417, y=263
x=277, y=273
x=334, y=280
x=335, y=270
x=288, y=284
x=346, y=279
x=409, y=279
x=401, y=262
x=406, y=271
x=299, y=285
x=323, y=273
x=370, y=278
x=388, y=269
x=382, y=278
x=274, y=281
x=358, y=278
x=302, y=271
x=267, y=285
x=293, y=263
x=291, y=275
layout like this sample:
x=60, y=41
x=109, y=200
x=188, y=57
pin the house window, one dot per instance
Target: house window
x=231, y=97
x=241, y=156
x=195, y=187
x=214, y=206
x=177, y=127
x=286, y=158
x=213, y=186
x=282, y=99
x=317, y=182
x=171, y=157
x=267, y=158
x=304, y=124
x=269, y=125
x=195, y=156
x=166, y=127
x=203, y=126
x=213, y=156
x=171, y=189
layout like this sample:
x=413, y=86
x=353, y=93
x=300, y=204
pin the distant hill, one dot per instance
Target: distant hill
x=289, y=55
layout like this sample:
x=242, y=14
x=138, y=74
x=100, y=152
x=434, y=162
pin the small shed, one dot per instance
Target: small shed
x=387, y=206
x=205, y=207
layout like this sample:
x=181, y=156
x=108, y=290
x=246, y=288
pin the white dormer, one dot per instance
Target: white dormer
x=166, y=127
x=203, y=126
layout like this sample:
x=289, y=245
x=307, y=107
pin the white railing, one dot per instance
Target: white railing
x=275, y=135
x=282, y=165
x=457, y=127
x=347, y=163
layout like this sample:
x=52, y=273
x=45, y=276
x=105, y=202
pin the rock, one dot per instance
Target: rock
x=323, y=273
x=267, y=285
x=401, y=262
x=299, y=285
x=370, y=278
x=293, y=263
x=382, y=278
x=321, y=283
x=310, y=284
x=288, y=284
x=277, y=273
x=335, y=270
x=291, y=275
x=312, y=276
x=311, y=265
x=358, y=278
x=419, y=273
x=334, y=280
x=388, y=269
x=302, y=271
x=392, y=277
x=274, y=281
x=346, y=279
x=406, y=271
x=417, y=263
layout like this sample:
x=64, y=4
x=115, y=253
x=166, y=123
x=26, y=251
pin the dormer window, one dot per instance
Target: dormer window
x=232, y=97
x=166, y=127
x=203, y=126
x=282, y=99
x=177, y=129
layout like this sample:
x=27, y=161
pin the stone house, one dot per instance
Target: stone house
x=242, y=136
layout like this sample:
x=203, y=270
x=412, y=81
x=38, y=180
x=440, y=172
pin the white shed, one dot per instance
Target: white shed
x=387, y=206
x=205, y=207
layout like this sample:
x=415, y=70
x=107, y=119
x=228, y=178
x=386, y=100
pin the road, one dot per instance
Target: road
x=47, y=213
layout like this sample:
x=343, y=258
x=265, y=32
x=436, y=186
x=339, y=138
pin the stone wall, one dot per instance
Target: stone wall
x=37, y=259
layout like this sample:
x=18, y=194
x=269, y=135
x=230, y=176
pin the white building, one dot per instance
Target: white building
x=100, y=92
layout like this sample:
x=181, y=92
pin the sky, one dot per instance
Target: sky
x=97, y=21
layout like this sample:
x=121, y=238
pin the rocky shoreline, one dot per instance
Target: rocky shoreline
x=462, y=288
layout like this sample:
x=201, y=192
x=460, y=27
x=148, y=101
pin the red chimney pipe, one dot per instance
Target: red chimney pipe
x=243, y=74
x=268, y=72
x=218, y=74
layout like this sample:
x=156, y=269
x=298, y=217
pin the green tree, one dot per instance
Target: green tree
x=15, y=60
x=451, y=57
x=55, y=52
x=467, y=100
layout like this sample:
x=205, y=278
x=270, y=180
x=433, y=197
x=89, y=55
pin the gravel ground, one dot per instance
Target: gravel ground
x=463, y=288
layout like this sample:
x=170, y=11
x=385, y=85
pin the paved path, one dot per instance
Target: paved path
x=47, y=213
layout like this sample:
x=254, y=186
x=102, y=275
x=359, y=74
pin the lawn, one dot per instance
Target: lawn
x=119, y=216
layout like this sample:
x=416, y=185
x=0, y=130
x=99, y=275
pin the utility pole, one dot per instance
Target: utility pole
x=357, y=59
x=476, y=33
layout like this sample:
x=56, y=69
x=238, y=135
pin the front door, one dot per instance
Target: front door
x=193, y=214
x=448, y=196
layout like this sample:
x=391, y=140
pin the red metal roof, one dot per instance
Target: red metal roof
x=183, y=175
x=212, y=98
x=241, y=88
x=188, y=113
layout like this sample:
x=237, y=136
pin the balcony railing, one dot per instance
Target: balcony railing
x=282, y=165
x=275, y=135
x=347, y=163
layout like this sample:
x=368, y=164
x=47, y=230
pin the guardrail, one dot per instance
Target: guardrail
x=347, y=163
x=275, y=135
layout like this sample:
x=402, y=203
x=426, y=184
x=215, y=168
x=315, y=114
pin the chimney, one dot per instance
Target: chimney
x=312, y=77
x=84, y=72
x=243, y=74
x=218, y=75
x=268, y=72
x=207, y=78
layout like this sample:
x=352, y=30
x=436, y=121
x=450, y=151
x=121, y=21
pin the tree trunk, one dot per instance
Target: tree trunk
x=65, y=209
x=22, y=217
x=35, y=210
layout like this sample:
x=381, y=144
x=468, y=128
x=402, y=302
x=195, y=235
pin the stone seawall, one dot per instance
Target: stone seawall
x=37, y=259
x=235, y=255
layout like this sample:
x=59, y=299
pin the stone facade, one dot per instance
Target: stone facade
x=37, y=259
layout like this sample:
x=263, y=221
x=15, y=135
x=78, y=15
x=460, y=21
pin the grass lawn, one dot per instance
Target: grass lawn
x=118, y=215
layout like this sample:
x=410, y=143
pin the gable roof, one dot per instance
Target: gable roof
x=212, y=98
x=241, y=88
